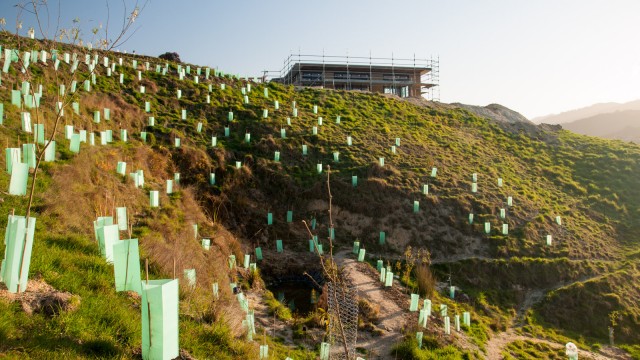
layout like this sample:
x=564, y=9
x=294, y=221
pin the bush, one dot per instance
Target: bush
x=170, y=56
x=425, y=280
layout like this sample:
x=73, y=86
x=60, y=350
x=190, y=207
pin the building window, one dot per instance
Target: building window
x=396, y=77
x=350, y=76
x=390, y=90
x=311, y=76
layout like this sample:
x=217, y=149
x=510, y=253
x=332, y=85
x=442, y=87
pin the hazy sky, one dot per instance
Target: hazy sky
x=534, y=56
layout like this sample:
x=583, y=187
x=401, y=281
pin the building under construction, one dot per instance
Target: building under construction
x=401, y=77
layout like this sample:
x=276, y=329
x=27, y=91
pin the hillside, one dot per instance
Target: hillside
x=621, y=125
x=248, y=180
x=587, y=112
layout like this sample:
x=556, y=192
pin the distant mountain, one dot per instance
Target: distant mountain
x=587, y=112
x=620, y=125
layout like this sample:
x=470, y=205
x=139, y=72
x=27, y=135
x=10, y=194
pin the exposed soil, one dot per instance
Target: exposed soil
x=41, y=297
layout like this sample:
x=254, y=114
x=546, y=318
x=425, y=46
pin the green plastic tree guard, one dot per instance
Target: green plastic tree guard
x=425, y=189
x=190, y=277
x=304, y=149
x=123, y=135
x=68, y=131
x=199, y=127
x=452, y=292
x=356, y=247
x=259, y=253
x=457, y=322
x=206, y=244
x=12, y=156
x=426, y=305
x=247, y=261
x=474, y=187
x=232, y=262
x=419, y=335
x=212, y=179
x=422, y=318
x=121, y=168
x=19, y=177
x=122, y=218
x=289, y=216
x=549, y=240
x=466, y=318
x=29, y=155
x=413, y=306
x=319, y=120
x=416, y=206
x=295, y=113
x=503, y=213
x=1, y=108
x=152, y=121
x=247, y=138
x=74, y=144
x=147, y=106
x=379, y=265
x=18, y=238
x=505, y=229
x=16, y=98
x=184, y=114
x=154, y=198
x=107, y=236
x=559, y=220
x=381, y=161
x=361, y=254
x=315, y=109
x=238, y=164
x=338, y=119
x=216, y=290
x=447, y=325
x=500, y=182
x=354, y=180
x=474, y=177
x=264, y=349
x=50, y=151
x=169, y=186
x=443, y=310
x=319, y=168
x=336, y=156
x=388, y=279
x=312, y=246
x=283, y=133
x=314, y=130
x=214, y=141
x=509, y=201
x=26, y=122
x=383, y=274
x=470, y=219
x=487, y=228
x=269, y=218
x=160, y=339
x=226, y=131
x=176, y=142
x=279, y=245
x=126, y=265
x=325, y=351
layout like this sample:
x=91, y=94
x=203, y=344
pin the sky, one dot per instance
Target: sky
x=537, y=57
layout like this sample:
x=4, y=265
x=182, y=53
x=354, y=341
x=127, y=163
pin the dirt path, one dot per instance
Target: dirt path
x=392, y=316
x=497, y=343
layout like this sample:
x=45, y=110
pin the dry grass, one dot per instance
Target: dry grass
x=425, y=280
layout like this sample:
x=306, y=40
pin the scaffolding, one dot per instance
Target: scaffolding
x=419, y=76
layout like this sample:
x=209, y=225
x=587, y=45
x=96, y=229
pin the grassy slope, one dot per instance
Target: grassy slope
x=587, y=181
